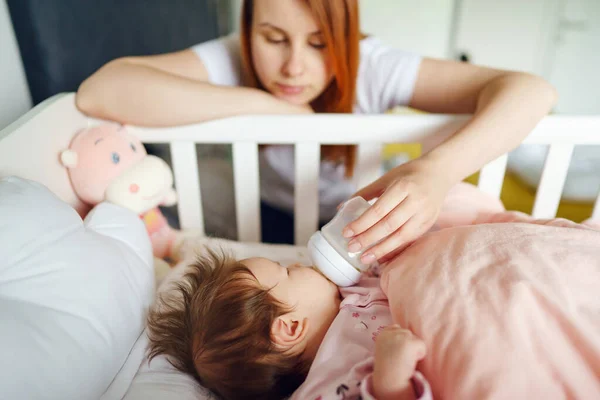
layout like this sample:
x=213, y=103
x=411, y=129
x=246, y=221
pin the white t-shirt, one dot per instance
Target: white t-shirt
x=386, y=79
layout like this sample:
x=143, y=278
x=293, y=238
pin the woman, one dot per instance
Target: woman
x=305, y=56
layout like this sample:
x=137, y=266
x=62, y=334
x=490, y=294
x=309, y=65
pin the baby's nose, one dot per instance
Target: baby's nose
x=133, y=188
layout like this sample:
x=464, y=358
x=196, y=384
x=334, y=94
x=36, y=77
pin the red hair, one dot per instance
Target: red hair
x=339, y=23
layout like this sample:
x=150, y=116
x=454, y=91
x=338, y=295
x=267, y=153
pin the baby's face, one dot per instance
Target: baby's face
x=303, y=288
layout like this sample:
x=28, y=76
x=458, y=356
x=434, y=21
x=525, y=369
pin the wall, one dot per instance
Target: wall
x=14, y=94
x=557, y=39
x=510, y=34
x=422, y=26
x=234, y=16
x=573, y=62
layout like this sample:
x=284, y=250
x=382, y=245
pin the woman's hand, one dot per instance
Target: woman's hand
x=397, y=352
x=410, y=199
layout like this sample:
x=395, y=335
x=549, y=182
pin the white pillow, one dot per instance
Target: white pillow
x=73, y=294
x=159, y=380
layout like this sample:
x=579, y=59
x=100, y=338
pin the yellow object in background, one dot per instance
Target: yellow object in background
x=413, y=150
x=518, y=196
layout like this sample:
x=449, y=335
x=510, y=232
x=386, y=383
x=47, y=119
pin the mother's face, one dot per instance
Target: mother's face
x=288, y=50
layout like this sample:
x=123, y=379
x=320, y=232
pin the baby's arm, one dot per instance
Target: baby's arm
x=371, y=364
x=397, y=353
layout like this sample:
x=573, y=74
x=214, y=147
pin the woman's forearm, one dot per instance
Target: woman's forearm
x=508, y=108
x=141, y=95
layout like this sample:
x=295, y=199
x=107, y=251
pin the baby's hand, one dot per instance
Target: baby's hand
x=397, y=352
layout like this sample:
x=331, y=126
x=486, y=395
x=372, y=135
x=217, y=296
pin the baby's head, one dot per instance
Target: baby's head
x=246, y=329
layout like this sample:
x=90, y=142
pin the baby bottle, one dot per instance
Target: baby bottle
x=328, y=249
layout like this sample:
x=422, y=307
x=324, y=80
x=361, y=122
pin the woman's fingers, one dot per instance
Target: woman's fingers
x=371, y=191
x=394, y=253
x=393, y=196
x=385, y=227
x=410, y=231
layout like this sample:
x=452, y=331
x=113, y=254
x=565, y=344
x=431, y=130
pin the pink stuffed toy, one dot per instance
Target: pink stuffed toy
x=107, y=163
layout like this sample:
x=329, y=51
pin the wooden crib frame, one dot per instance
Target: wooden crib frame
x=29, y=148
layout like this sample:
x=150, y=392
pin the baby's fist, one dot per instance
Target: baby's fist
x=397, y=352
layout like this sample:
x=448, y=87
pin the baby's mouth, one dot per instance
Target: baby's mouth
x=323, y=275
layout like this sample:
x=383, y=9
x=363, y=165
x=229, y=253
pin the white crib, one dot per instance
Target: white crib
x=30, y=147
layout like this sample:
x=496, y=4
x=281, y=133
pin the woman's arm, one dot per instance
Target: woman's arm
x=506, y=106
x=170, y=89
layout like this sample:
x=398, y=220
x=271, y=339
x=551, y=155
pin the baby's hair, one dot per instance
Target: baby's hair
x=215, y=324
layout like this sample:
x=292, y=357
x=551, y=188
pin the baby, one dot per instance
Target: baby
x=254, y=329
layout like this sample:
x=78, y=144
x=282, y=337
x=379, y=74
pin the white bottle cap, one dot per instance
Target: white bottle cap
x=331, y=263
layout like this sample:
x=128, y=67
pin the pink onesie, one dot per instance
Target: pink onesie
x=343, y=366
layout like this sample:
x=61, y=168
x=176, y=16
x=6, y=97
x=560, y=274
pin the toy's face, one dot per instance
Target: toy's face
x=143, y=186
x=97, y=156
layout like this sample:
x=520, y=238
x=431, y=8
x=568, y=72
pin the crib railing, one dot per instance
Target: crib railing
x=245, y=134
x=54, y=122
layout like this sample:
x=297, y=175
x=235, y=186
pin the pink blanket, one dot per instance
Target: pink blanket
x=508, y=306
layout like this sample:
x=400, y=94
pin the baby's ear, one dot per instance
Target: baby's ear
x=288, y=332
x=69, y=158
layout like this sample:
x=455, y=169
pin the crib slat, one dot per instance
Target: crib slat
x=247, y=190
x=552, y=181
x=306, y=191
x=491, y=176
x=368, y=165
x=187, y=183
